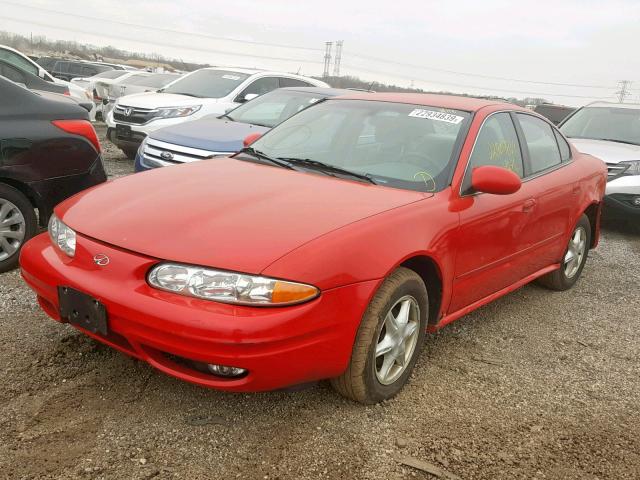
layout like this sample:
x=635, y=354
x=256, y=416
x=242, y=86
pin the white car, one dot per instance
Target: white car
x=149, y=82
x=20, y=60
x=208, y=91
x=611, y=132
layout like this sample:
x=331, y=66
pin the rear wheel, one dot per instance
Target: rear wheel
x=574, y=258
x=18, y=224
x=388, y=341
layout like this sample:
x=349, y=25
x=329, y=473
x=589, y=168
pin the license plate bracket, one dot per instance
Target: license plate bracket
x=82, y=310
x=123, y=131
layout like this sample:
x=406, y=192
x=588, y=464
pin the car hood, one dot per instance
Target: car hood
x=609, y=152
x=159, y=100
x=229, y=214
x=209, y=133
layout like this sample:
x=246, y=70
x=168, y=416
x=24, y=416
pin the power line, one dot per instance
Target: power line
x=160, y=29
x=297, y=47
x=156, y=43
x=503, y=90
x=479, y=75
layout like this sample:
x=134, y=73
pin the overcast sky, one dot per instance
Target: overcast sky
x=578, y=42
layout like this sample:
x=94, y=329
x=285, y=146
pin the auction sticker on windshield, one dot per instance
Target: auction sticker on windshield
x=433, y=115
x=231, y=77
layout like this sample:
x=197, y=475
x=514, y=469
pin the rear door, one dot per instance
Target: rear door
x=547, y=157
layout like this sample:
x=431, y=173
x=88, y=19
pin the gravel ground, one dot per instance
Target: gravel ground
x=536, y=385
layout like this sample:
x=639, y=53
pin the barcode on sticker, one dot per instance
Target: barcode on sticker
x=439, y=116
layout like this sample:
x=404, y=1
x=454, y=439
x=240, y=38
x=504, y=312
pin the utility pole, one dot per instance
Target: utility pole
x=623, y=93
x=336, y=61
x=327, y=58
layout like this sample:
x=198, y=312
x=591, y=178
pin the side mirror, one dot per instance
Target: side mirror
x=495, y=180
x=249, y=139
x=250, y=96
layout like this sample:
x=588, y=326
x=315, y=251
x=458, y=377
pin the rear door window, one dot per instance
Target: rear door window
x=259, y=87
x=540, y=142
x=293, y=82
x=17, y=60
x=565, y=151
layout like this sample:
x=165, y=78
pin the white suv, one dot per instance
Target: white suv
x=208, y=91
x=611, y=132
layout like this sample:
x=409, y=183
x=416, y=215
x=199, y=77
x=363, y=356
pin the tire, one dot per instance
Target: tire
x=361, y=381
x=130, y=153
x=18, y=223
x=564, y=278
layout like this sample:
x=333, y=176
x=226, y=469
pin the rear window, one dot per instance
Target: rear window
x=207, y=83
x=111, y=74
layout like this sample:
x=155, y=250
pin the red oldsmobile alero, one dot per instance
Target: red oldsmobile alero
x=328, y=247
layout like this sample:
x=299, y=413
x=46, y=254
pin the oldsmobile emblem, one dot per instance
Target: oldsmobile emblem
x=101, y=259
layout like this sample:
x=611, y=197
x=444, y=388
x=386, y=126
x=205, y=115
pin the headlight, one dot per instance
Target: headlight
x=173, y=112
x=62, y=236
x=634, y=167
x=142, y=145
x=228, y=287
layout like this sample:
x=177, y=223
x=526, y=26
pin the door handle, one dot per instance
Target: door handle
x=529, y=204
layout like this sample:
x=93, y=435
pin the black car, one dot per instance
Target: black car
x=68, y=69
x=29, y=80
x=48, y=152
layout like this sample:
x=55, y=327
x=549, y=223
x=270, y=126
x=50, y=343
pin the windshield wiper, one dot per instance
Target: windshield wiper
x=618, y=141
x=227, y=117
x=263, y=156
x=327, y=168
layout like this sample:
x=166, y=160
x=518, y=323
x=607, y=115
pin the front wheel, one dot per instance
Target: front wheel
x=574, y=258
x=388, y=341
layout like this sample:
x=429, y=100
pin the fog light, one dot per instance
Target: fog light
x=224, y=371
x=636, y=201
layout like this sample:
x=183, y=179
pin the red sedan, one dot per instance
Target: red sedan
x=327, y=248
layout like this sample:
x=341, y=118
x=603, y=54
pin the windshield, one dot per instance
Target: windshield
x=110, y=74
x=604, y=123
x=207, y=83
x=156, y=80
x=272, y=108
x=397, y=145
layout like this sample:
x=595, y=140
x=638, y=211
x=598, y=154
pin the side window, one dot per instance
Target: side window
x=292, y=82
x=497, y=144
x=259, y=87
x=541, y=143
x=75, y=69
x=13, y=74
x=88, y=71
x=18, y=61
x=565, y=151
x=61, y=67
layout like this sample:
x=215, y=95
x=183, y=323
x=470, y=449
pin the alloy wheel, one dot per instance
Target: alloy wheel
x=575, y=252
x=397, y=340
x=12, y=229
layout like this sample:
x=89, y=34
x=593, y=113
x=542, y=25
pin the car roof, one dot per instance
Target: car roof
x=633, y=106
x=454, y=102
x=325, y=92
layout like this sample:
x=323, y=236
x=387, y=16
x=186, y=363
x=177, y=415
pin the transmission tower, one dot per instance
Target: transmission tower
x=327, y=58
x=623, y=93
x=336, y=61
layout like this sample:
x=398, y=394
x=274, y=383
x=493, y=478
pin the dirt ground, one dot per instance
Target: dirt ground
x=536, y=385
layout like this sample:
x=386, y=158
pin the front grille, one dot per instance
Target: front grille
x=157, y=153
x=615, y=170
x=136, y=116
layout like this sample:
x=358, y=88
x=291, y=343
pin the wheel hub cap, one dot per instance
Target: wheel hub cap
x=575, y=252
x=397, y=340
x=12, y=227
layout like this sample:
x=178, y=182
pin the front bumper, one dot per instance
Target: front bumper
x=279, y=347
x=622, y=195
